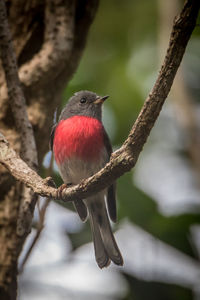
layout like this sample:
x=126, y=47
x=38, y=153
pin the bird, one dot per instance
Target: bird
x=81, y=148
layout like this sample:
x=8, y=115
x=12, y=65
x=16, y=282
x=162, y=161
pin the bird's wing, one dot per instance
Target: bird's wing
x=52, y=136
x=111, y=194
x=81, y=209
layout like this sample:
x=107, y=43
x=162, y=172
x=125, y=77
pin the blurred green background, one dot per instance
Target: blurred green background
x=161, y=196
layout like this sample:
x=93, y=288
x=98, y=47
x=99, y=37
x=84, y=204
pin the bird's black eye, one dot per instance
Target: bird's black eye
x=83, y=100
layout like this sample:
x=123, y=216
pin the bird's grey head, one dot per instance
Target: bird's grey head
x=84, y=103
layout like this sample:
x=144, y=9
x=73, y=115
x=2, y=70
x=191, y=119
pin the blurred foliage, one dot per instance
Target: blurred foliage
x=121, y=60
x=142, y=210
x=143, y=290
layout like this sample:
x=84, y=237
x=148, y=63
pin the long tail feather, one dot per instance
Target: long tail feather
x=104, y=242
x=101, y=255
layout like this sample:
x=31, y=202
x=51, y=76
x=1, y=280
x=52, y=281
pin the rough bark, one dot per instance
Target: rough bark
x=49, y=37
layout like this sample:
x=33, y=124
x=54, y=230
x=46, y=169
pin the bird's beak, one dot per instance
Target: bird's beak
x=100, y=100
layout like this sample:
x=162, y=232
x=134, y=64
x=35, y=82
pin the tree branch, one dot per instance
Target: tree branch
x=16, y=96
x=57, y=46
x=126, y=157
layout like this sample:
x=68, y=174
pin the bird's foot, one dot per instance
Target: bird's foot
x=60, y=190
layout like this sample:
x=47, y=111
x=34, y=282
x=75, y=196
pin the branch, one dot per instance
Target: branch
x=84, y=15
x=39, y=228
x=20, y=170
x=65, y=34
x=16, y=96
x=124, y=159
x=57, y=46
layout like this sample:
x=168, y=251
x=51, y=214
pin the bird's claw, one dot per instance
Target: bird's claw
x=60, y=190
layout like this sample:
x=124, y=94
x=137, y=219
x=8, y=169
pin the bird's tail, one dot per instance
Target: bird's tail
x=105, y=246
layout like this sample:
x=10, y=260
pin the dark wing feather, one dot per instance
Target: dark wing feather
x=52, y=136
x=81, y=209
x=111, y=202
x=111, y=195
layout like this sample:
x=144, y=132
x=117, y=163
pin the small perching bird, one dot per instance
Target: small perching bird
x=81, y=148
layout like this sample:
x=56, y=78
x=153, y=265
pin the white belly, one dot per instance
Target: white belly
x=73, y=170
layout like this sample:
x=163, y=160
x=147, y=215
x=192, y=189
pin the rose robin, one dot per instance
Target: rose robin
x=81, y=148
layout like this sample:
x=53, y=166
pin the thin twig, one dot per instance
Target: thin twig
x=39, y=228
x=40, y=225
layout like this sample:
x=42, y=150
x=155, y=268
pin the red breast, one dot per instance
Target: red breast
x=78, y=136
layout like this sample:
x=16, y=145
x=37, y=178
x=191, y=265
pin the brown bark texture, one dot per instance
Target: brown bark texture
x=48, y=38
